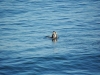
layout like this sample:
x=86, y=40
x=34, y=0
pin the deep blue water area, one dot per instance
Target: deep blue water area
x=24, y=49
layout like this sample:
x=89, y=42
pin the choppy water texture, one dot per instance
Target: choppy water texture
x=24, y=50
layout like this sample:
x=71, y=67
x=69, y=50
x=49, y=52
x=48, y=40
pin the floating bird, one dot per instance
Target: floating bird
x=54, y=35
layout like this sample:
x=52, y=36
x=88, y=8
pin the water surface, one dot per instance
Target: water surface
x=24, y=50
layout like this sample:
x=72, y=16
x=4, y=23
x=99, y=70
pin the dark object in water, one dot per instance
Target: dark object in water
x=54, y=35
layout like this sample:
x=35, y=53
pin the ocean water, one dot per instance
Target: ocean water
x=24, y=49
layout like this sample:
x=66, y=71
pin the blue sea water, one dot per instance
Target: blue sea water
x=24, y=50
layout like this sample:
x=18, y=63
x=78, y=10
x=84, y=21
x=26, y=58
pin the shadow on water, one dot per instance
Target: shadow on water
x=54, y=40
